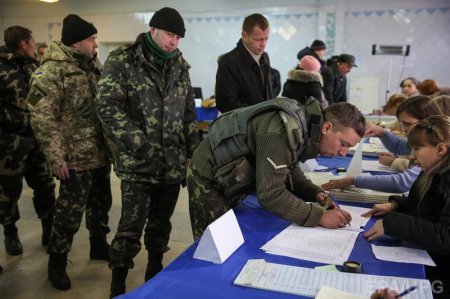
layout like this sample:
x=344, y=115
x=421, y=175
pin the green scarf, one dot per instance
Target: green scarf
x=160, y=55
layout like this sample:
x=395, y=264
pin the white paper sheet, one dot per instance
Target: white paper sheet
x=220, y=239
x=355, y=167
x=402, y=255
x=307, y=282
x=357, y=220
x=326, y=292
x=318, y=244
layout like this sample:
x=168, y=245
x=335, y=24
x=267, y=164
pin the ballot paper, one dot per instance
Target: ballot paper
x=315, y=244
x=402, y=254
x=357, y=220
x=307, y=282
x=326, y=292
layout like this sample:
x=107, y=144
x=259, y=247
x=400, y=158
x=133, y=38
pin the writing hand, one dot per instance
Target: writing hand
x=335, y=218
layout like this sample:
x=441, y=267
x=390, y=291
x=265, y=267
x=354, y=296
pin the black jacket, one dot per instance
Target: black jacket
x=302, y=84
x=334, y=84
x=425, y=222
x=239, y=80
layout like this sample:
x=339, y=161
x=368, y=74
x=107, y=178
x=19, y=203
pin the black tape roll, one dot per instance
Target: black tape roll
x=352, y=267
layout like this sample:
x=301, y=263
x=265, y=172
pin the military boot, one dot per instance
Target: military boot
x=46, y=224
x=119, y=276
x=154, y=264
x=57, y=271
x=99, y=248
x=13, y=245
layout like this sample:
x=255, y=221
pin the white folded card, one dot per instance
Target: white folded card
x=309, y=165
x=220, y=239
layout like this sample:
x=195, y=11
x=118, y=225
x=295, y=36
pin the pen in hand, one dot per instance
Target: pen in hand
x=336, y=203
x=405, y=292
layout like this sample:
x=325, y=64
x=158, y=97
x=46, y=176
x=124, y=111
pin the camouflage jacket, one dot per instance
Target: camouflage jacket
x=15, y=73
x=63, y=117
x=148, y=114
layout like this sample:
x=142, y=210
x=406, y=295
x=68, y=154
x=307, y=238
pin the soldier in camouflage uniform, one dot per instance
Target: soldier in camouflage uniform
x=224, y=169
x=63, y=116
x=20, y=156
x=146, y=105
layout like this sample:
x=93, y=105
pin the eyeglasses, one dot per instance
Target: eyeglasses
x=406, y=125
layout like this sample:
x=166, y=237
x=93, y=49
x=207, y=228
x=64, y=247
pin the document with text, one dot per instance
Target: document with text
x=318, y=244
x=315, y=244
x=307, y=282
x=402, y=254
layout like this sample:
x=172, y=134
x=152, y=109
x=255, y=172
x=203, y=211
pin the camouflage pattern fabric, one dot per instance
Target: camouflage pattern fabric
x=15, y=73
x=20, y=156
x=91, y=191
x=143, y=203
x=148, y=114
x=63, y=117
x=206, y=203
x=22, y=159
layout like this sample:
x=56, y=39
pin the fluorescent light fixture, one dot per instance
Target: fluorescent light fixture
x=49, y=1
x=390, y=50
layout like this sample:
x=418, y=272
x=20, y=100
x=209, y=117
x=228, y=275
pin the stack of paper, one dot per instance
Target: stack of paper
x=350, y=193
x=307, y=282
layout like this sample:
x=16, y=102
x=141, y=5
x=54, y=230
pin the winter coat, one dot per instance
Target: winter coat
x=240, y=82
x=302, y=84
x=15, y=74
x=148, y=114
x=63, y=117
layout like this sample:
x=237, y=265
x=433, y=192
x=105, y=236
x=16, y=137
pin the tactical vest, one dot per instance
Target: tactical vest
x=227, y=134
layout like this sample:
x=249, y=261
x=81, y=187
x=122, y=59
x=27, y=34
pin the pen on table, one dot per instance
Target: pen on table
x=405, y=292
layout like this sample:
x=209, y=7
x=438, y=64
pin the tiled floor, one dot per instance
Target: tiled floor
x=25, y=276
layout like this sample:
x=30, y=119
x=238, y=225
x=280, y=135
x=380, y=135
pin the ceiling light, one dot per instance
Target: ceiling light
x=49, y=1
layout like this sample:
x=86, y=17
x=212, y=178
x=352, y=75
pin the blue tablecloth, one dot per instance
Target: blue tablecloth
x=187, y=277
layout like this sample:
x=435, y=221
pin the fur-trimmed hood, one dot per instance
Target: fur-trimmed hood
x=305, y=76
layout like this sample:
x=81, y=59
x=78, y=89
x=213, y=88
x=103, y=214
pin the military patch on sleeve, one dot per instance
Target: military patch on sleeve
x=35, y=95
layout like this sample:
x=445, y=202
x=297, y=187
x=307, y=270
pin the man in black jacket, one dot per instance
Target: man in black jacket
x=243, y=77
x=318, y=49
x=334, y=77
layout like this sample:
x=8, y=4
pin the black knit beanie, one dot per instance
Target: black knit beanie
x=76, y=29
x=318, y=45
x=168, y=19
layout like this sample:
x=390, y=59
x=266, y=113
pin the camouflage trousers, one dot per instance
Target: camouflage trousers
x=143, y=204
x=206, y=203
x=90, y=192
x=21, y=158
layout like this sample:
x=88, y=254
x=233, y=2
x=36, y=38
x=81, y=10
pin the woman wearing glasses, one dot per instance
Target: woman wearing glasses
x=423, y=218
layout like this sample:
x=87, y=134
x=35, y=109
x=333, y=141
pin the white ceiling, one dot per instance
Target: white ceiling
x=35, y=8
